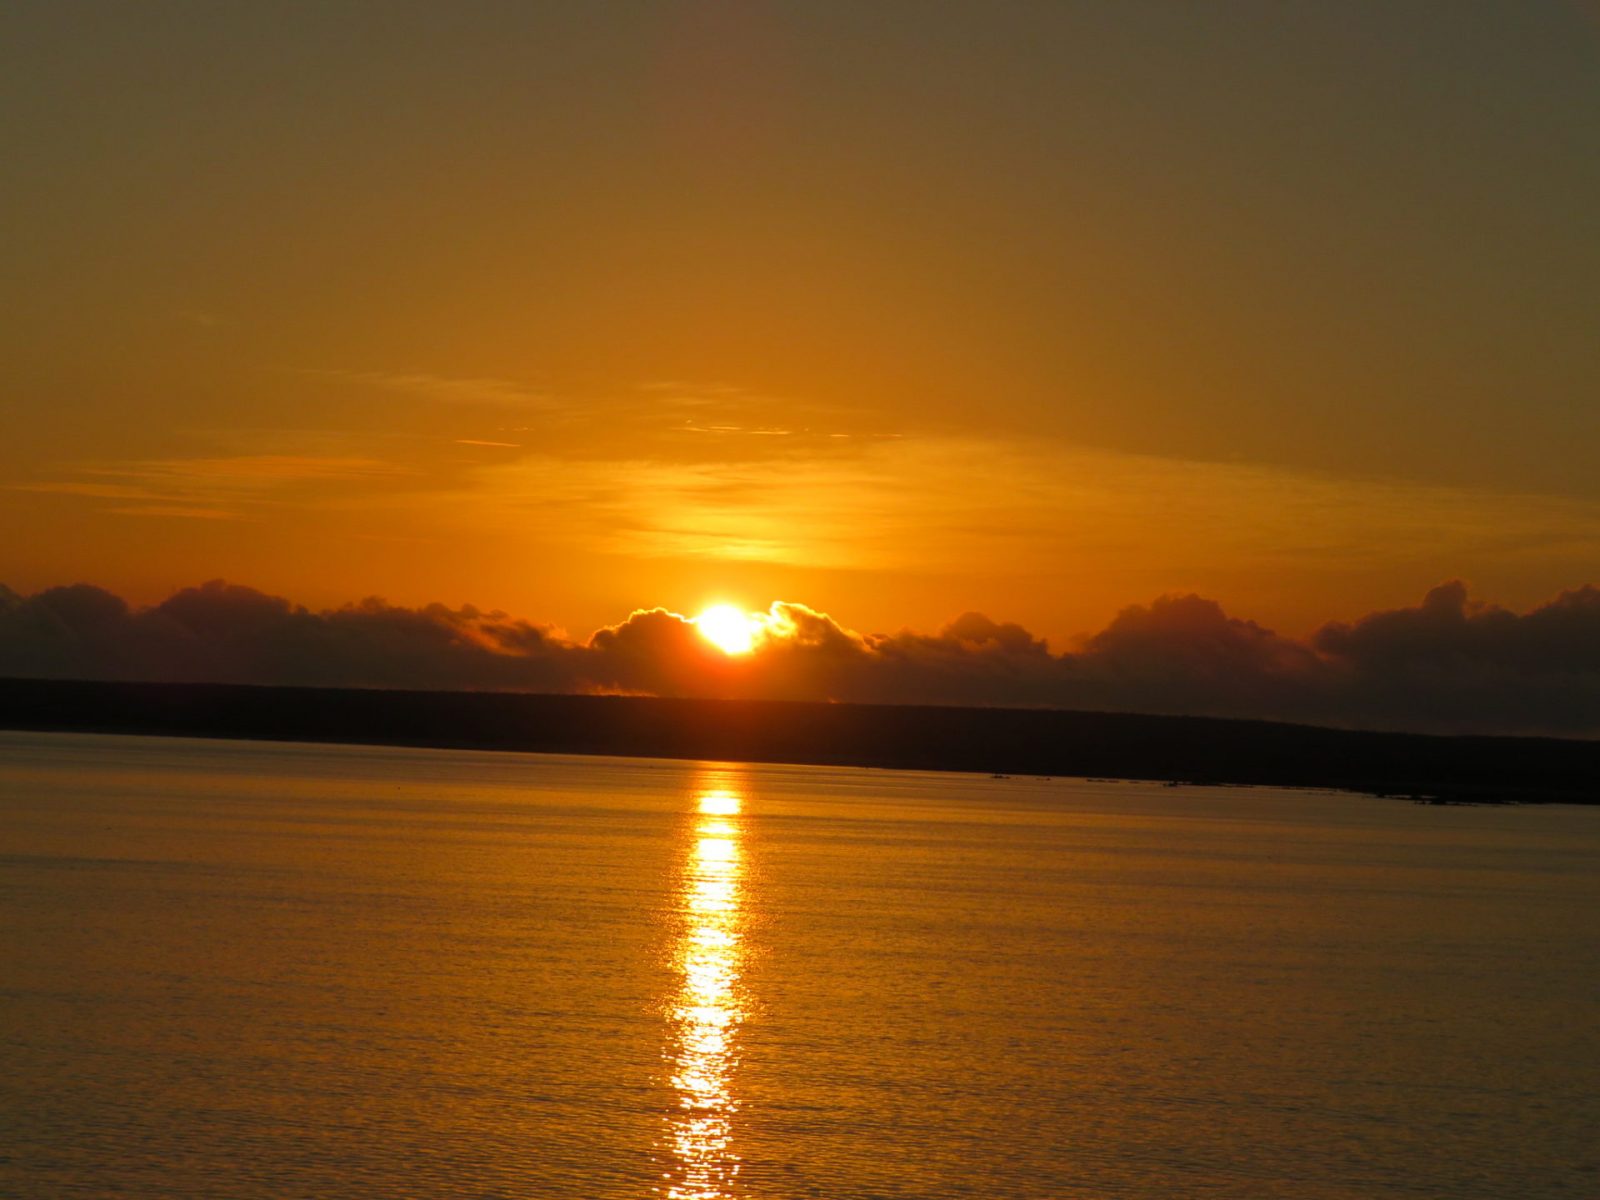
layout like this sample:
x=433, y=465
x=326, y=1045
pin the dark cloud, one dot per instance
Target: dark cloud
x=1453, y=663
x=1448, y=664
x=224, y=633
x=657, y=652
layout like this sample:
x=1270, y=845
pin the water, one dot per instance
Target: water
x=289, y=971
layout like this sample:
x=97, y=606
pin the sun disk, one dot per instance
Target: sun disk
x=728, y=629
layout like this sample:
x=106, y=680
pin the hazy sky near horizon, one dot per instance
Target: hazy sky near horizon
x=894, y=309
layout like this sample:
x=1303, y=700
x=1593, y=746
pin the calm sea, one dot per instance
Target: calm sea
x=251, y=970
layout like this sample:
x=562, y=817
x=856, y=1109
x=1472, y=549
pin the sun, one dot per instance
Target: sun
x=728, y=629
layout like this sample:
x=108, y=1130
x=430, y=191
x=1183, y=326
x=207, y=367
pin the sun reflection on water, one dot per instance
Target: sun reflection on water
x=705, y=1013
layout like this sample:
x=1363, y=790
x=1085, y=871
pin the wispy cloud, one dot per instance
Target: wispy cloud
x=245, y=472
x=693, y=394
x=181, y=511
x=502, y=393
x=212, y=487
x=97, y=491
x=947, y=503
x=746, y=431
x=201, y=318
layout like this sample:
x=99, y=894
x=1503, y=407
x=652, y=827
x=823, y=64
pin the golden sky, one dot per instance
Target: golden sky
x=895, y=310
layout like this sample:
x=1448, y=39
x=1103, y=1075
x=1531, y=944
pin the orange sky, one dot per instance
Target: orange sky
x=896, y=312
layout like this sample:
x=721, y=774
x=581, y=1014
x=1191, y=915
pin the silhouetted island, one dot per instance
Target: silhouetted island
x=988, y=740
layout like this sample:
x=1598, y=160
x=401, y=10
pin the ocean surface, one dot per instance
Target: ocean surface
x=252, y=970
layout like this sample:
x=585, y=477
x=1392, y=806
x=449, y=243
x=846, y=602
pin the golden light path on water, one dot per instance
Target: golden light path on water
x=706, y=1012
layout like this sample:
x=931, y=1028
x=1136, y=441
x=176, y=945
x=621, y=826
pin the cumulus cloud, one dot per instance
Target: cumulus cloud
x=1467, y=664
x=225, y=633
x=1450, y=664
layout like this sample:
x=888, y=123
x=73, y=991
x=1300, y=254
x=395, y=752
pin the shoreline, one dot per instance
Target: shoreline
x=1038, y=742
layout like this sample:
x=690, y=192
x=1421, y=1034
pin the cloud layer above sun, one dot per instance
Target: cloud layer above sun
x=1448, y=664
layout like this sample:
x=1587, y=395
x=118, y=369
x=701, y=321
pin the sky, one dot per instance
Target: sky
x=895, y=311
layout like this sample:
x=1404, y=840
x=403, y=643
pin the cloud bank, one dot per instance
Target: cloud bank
x=1449, y=664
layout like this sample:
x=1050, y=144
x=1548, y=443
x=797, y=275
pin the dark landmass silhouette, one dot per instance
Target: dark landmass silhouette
x=1051, y=742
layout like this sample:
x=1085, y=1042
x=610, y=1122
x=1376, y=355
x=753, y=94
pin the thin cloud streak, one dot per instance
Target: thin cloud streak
x=1447, y=664
x=501, y=393
x=930, y=504
x=944, y=503
x=214, y=487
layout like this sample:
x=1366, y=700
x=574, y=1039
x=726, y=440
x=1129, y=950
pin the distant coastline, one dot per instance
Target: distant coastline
x=1201, y=750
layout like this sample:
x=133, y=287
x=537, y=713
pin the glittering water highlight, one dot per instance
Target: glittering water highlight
x=702, y=1044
